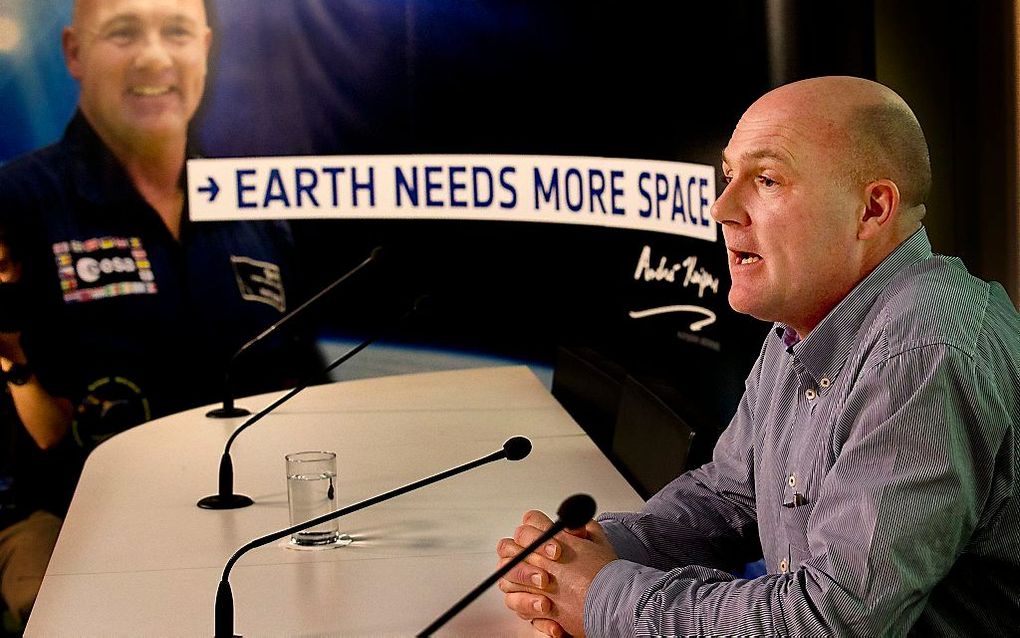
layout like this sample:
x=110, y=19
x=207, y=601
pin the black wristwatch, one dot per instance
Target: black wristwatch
x=19, y=374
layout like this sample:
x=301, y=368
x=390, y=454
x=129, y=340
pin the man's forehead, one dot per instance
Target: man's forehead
x=782, y=135
x=759, y=153
x=99, y=11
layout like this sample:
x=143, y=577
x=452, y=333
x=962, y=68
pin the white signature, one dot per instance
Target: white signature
x=692, y=275
x=663, y=272
x=695, y=325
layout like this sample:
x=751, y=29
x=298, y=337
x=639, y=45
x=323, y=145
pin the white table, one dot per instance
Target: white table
x=136, y=557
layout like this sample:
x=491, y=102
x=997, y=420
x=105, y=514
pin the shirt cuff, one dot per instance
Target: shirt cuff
x=624, y=542
x=613, y=597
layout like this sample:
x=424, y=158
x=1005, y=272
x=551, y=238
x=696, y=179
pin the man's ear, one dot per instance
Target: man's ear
x=881, y=206
x=71, y=46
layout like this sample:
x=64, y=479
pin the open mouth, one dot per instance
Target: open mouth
x=743, y=259
x=150, y=91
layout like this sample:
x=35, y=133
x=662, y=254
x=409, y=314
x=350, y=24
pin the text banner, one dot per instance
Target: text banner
x=665, y=197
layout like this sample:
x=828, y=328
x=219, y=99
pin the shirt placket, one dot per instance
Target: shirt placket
x=806, y=399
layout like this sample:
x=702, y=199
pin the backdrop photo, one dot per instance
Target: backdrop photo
x=579, y=84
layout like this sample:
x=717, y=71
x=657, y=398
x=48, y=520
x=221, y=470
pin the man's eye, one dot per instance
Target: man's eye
x=122, y=35
x=177, y=33
x=766, y=181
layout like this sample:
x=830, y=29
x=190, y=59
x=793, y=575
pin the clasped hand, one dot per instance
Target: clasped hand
x=549, y=587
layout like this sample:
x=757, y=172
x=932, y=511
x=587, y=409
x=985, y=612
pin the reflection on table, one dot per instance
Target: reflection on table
x=137, y=557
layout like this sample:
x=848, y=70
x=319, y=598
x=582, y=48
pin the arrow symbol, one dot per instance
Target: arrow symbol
x=212, y=189
x=696, y=326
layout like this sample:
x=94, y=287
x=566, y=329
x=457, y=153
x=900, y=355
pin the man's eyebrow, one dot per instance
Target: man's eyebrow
x=120, y=18
x=131, y=18
x=180, y=17
x=760, y=154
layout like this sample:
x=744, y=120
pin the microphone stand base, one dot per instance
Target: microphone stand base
x=225, y=502
x=227, y=413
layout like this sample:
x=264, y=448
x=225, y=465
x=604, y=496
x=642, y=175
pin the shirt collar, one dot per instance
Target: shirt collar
x=98, y=176
x=825, y=349
x=98, y=173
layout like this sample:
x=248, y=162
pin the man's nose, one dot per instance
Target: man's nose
x=728, y=208
x=154, y=54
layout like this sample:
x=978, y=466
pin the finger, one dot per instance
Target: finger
x=580, y=532
x=525, y=572
x=506, y=548
x=510, y=587
x=529, y=575
x=595, y=531
x=548, y=627
x=537, y=519
x=526, y=535
x=528, y=605
x=591, y=531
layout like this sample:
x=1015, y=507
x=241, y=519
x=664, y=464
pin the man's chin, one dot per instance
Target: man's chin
x=741, y=301
x=155, y=119
x=156, y=129
x=748, y=303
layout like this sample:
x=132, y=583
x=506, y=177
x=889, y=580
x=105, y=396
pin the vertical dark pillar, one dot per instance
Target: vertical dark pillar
x=954, y=63
x=807, y=38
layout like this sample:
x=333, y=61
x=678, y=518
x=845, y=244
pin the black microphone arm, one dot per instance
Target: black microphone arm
x=573, y=513
x=228, y=409
x=225, y=498
x=514, y=449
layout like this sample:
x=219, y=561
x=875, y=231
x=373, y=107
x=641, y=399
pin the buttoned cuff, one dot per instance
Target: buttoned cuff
x=613, y=597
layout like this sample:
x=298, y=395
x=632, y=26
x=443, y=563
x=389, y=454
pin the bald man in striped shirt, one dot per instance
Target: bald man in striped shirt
x=874, y=458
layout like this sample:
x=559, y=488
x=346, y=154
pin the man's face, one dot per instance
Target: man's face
x=141, y=65
x=788, y=213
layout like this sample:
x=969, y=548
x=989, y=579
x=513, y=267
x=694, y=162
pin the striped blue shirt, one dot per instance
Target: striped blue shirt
x=875, y=465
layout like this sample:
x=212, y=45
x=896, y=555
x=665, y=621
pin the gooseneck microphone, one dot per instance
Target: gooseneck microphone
x=225, y=499
x=228, y=409
x=573, y=513
x=514, y=449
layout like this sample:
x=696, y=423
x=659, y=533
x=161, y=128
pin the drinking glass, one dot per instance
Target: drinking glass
x=311, y=492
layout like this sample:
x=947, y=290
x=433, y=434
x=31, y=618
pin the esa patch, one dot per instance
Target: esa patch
x=259, y=281
x=103, y=267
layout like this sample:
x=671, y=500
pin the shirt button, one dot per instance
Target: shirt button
x=783, y=566
x=792, y=480
x=824, y=382
x=810, y=394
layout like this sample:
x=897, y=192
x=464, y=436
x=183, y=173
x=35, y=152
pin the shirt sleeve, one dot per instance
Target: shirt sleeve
x=705, y=516
x=914, y=466
x=21, y=223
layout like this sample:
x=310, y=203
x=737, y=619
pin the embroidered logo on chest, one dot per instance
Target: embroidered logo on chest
x=103, y=267
x=259, y=281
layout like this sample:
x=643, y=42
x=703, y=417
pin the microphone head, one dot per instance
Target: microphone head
x=516, y=448
x=422, y=305
x=376, y=253
x=576, y=511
